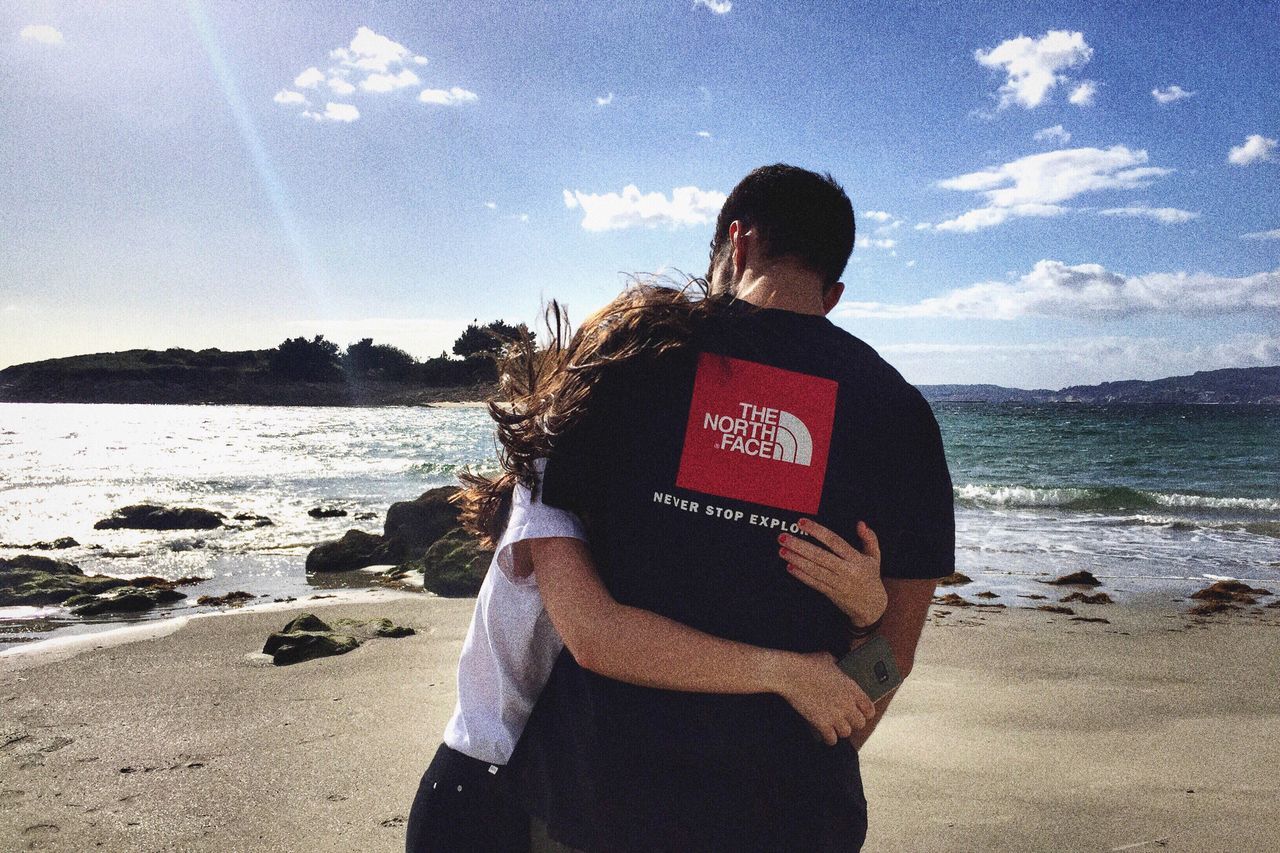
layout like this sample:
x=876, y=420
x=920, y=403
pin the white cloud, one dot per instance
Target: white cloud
x=389, y=82
x=982, y=218
x=370, y=64
x=604, y=100
x=877, y=243
x=911, y=263
x=1169, y=215
x=1032, y=66
x=447, y=97
x=877, y=215
x=1083, y=95
x=42, y=33
x=1056, y=289
x=1056, y=134
x=1075, y=361
x=720, y=7
x=705, y=134
x=1256, y=147
x=1036, y=184
x=284, y=96
x=339, y=86
x=371, y=52
x=335, y=112
x=307, y=79
x=923, y=226
x=1273, y=234
x=1169, y=94
x=492, y=205
x=631, y=208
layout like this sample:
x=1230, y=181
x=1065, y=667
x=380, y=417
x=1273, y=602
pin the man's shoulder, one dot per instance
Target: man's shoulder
x=870, y=371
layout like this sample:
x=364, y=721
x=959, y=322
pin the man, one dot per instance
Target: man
x=688, y=465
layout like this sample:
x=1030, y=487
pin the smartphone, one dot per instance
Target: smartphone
x=873, y=667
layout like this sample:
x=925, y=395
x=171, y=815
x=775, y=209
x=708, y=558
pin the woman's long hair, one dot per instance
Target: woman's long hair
x=542, y=392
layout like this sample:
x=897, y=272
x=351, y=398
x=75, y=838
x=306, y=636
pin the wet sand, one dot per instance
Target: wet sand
x=1018, y=730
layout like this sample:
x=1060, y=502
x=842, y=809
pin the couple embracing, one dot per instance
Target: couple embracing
x=705, y=502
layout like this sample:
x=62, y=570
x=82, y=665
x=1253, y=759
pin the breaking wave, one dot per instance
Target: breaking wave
x=1107, y=499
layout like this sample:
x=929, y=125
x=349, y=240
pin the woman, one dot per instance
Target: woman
x=462, y=801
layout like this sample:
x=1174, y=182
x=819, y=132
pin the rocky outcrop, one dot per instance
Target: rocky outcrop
x=308, y=636
x=33, y=580
x=126, y=600
x=231, y=598
x=156, y=517
x=1087, y=598
x=1224, y=596
x=410, y=529
x=326, y=512
x=1081, y=578
x=355, y=550
x=1235, y=591
x=56, y=545
x=413, y=526
x=454, y=566
x=30, y=579
x=955, y=579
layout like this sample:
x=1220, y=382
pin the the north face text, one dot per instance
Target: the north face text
x=764, y=432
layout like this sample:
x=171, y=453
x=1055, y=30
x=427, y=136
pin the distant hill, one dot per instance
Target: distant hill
x=247, y=377
x=242, y=377
x=1258, y=385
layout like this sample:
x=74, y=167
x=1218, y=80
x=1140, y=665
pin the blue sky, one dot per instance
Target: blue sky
x=1046, y=194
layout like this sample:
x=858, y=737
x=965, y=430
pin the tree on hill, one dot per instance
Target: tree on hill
x=488, y=340
x=310, y=361
x=377, y=361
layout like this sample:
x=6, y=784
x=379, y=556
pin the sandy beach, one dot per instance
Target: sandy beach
x=1018, y=730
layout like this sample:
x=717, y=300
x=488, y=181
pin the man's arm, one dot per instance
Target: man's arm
x=641, y=647
x=903, y=623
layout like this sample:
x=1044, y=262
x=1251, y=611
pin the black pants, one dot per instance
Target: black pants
x=463, y=807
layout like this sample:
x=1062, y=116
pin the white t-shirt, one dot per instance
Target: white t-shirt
x=511, y=644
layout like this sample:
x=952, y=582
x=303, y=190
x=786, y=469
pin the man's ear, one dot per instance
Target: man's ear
x=831, y=296
x=740, y=240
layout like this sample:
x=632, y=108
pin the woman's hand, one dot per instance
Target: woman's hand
x=847, y=576
x=831, y=701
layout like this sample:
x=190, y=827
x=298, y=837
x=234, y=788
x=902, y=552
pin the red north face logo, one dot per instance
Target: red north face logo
x=758, y=433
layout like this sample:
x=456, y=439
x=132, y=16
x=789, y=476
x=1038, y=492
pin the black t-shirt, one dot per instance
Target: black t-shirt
x=686, y=467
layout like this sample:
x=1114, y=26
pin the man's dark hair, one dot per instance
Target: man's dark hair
x=798, y=214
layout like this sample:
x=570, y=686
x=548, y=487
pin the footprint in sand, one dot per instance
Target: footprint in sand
x=12, y=796
x=10, y=737
x=40, y=836
x=57, y=743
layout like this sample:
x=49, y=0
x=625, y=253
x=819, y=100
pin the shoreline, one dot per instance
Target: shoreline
x=1158, y=595
x=96, y=635
x=1017, y=730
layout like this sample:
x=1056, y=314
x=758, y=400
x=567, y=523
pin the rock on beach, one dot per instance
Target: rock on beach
x=308, y=636
x=155, y=517
x=421, y=535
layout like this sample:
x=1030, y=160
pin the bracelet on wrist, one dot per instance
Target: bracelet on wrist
x=866, y=630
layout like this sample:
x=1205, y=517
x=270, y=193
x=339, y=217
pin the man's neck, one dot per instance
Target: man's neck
x=785, y=292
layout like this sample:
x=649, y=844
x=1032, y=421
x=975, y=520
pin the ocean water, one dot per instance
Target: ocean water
x=1153, y=499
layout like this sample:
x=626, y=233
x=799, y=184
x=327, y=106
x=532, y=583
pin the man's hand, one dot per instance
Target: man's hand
x=847, y=576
